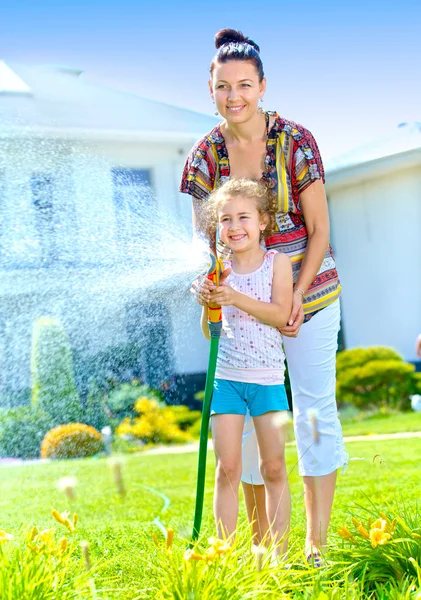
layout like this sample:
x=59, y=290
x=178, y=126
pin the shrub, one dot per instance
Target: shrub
x=53, y=383
x=154, y=423
x=373, y=378
x=121, y=400
x=21, y=432
x=184, y=417
x=74, y=440
x=357, y=357
x=94, y=413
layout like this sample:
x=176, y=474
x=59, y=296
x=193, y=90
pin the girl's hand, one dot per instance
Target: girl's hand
x=296, y=318
x=202, y=287
x=223, y=295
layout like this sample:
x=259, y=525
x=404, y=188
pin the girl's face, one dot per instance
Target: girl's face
x=236, y=90
x=240, y=223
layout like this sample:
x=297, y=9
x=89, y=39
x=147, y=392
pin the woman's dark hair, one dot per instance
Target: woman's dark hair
x=234, y=45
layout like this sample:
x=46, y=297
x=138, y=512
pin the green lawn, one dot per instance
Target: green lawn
x=119, y=531
x=360, y=423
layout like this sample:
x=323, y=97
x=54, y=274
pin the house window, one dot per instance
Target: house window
x=132, y=199
x=42, y=188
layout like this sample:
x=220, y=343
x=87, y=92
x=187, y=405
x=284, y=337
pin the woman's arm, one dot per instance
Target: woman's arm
x=274, y=313
x=198, y=221
x=314, y=206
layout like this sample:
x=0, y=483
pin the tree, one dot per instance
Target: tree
x=53, y=381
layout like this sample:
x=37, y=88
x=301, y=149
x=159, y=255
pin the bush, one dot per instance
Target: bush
x=53, y=382
x=94, y=413
x=22, y=431
x=184, y=417
x=74, y=440
x=121, y=400
x=154, y=423
x=374, y=378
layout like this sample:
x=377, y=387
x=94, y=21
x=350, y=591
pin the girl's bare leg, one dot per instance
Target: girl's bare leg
x=227, y=431
x=271, y=439
x=254, y=497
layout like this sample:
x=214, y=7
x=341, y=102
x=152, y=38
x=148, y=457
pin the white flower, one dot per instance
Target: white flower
x=281, y=418
x=67, y=485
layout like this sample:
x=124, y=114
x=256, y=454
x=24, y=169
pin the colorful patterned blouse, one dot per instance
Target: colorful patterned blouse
x=292, y=163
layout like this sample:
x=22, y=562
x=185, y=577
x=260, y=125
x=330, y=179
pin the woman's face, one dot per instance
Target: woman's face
x=236, y=90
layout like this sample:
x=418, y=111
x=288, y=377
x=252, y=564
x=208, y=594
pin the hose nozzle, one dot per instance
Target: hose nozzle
x=215, y=269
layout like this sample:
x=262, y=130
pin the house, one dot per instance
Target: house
x=374, y=196
x=80, y=166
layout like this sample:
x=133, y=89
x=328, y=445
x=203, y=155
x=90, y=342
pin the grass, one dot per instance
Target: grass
x=363, y=423
x=119, y=531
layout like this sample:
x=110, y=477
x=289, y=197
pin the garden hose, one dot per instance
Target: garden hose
x=215, y=325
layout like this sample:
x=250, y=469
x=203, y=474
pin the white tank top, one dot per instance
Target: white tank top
x=249, y=350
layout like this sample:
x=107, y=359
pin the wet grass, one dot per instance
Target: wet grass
x=119, y=530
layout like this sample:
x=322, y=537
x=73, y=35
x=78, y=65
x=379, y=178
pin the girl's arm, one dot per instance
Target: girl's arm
x=204, y=322
x=275, y=313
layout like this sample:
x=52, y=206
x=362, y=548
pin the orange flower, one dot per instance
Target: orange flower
x=379, y=537
x=363, y=532
x=346, y=534
x=192, y=555
x=170, y=537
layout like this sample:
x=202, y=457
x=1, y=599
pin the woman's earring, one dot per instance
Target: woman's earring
x=216, y=112
x=261, y=100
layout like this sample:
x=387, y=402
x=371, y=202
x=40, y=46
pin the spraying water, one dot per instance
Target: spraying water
x=84, y=240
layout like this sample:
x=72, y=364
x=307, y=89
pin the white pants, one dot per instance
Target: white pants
x=311, y=358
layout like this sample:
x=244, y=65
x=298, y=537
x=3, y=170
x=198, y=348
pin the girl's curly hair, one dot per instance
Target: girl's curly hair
x=266, y=202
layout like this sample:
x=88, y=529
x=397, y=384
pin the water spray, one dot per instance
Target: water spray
x=215, y=325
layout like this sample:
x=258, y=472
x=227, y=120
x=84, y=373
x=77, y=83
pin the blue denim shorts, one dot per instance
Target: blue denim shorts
x=235, y=397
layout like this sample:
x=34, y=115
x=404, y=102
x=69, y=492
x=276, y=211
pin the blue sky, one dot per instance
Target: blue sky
x=348, y=71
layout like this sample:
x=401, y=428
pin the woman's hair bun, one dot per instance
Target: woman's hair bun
x=232, y=36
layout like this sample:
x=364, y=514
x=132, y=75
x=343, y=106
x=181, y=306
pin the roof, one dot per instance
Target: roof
x=59, y=98
x=406, y=138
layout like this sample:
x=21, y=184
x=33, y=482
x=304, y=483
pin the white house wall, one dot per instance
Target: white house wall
x=376, y=228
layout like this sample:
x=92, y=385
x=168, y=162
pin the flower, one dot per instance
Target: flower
x=363, y=531
x=346, y=534
x=379, y=524
x=67, y=486
x=218, y=545
x=312, y=414
x=281, y=418
x=192, y=555
x=356, y=522
x=63, y=519
x=378, y=537
x=170, y=537
x=259, y=552
x=86, y=555
x=5, y=537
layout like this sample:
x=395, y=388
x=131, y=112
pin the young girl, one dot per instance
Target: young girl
x=256, y=300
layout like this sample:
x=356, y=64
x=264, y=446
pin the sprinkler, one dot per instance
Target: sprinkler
x=215, y=325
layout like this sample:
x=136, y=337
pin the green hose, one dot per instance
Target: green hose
x=215, y=331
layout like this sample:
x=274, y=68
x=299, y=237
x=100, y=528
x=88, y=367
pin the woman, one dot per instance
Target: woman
x=262, y=145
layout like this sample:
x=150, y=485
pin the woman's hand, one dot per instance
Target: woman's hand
x=296, y=318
